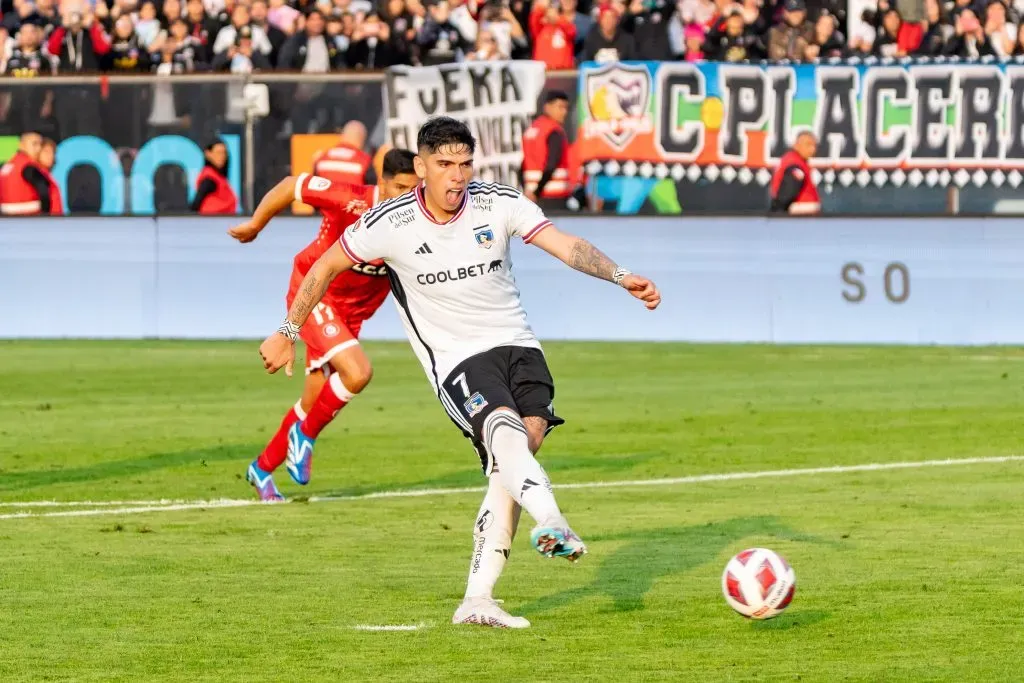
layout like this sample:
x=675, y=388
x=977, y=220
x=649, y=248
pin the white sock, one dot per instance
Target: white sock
x=493, y=531
x=522, y=476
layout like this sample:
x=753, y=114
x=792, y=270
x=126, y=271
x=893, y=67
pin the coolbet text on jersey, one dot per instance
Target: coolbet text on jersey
x=452, y=281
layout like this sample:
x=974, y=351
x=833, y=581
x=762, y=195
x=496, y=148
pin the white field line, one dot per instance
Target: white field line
x=390, y=627
x=134, y=507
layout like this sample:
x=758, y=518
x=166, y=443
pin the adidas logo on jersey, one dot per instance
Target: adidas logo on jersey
x=424, y=249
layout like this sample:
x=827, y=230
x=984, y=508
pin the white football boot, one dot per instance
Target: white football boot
x=486, y=612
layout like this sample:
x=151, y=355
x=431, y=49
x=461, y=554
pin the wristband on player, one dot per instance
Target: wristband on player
x=289, y=329
x=619, y=275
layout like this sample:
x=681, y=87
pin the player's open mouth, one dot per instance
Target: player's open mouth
x=453, y=196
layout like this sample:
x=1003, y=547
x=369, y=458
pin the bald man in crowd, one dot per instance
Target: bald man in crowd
x=348, y=161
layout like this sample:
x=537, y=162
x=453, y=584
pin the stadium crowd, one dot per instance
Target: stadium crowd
x=315, y=36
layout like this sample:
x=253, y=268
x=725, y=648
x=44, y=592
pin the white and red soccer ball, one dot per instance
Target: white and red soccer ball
x=758, y=583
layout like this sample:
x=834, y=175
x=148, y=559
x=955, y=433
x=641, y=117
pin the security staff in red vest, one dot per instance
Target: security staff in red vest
x=24, y=190
x=214, y=194
x=346, y=162
x=47, y=158
x=792, y=188
x=546, y=160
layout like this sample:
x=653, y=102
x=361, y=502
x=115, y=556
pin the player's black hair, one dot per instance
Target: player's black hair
x=396, y=162
x=443, y=131
x=210, y=144
x=555, y=96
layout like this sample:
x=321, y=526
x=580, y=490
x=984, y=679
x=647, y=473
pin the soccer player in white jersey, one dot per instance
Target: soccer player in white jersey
x=446, y=245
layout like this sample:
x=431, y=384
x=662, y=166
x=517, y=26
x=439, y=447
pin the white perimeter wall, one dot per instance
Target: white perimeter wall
x=723, y=279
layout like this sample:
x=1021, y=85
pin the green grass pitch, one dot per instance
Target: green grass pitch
x=904, y=574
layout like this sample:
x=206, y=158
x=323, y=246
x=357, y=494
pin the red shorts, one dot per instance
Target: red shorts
x=327, y=333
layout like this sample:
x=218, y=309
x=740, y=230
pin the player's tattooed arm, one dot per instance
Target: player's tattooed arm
x=575, y=252
x=313, y=286
x=587, y=258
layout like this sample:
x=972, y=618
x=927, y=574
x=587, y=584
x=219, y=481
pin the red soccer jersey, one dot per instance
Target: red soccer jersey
x=357, y=293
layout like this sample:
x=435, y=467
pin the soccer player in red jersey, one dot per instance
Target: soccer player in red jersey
x=336, y=367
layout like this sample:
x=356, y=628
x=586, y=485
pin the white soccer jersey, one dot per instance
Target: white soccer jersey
x=452, y=281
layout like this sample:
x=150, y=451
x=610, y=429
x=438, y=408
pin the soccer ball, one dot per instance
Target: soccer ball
x=758, y=583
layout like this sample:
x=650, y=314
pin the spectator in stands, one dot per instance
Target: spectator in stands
x=242, y=57
x=789, y=40
x=203, y=30
x=27, y=58
x=693, y=37
x=1018, y=49
x=339, y=31
x=260, y=13
x=461, y=17
x=6, y=46
x=755, y=17
x=79, y=43
x=126, y=54
x=908, y=33
x=937, y=30
x=370, y=47
x=607, y=42
x=30, y=108
x=554, y=34
x=582, y=23
x=227, y=36
x=187, y=51
x=177, y=54
x=731, y=40
x=1001, y=34
x=828, y=41
x=486, y=48
x=647, y=21
x=147, y=27
x=283, y=16
x=402, y=30
x=697, y=12
x=24, y=12
x=169, y=101
x=504, y=28
x=309, y=50
x=170, y=11
x=45, y=15
x=862, y=40
x=969, y=39
x=440, y=40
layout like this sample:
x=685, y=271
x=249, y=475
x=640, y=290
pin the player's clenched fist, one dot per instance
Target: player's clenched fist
x=246, y=232
x=277, y=351
x=643, y=289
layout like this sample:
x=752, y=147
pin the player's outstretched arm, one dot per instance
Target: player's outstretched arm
x=278, y=350
x=580, y=254
x=273, y=203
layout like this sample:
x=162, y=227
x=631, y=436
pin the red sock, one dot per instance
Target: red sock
x=332, y=398
x=277, y=450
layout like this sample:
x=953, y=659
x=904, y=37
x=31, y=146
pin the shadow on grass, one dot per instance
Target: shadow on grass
x=792, y=619
x=471, y=476
x=16, y=481
x=628, y=573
